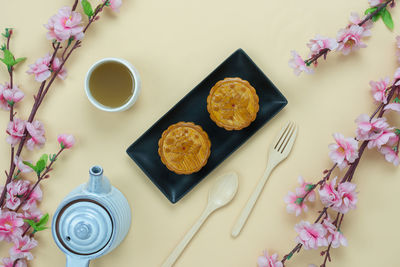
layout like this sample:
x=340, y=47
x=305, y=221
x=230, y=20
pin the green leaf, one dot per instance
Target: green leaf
x=387, y=18
x=87, y=8
x=299, y=200
x=44, y=157
x=27, y=163
x=43, y=221
x=397, y=131
x=32, y=223
x=18, y=60
x=289, y=256
x=3, y=47
x=370, y=10
x=309, y=187
x=8, y=57
x=396, y=100
x=41, y=228
x=52, y=157
x=70, y=40
x=6, y=33
x=376, y=17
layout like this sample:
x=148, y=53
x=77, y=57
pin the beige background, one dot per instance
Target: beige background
x=174, y=45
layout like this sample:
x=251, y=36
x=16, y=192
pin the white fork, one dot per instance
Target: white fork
x=278, y=151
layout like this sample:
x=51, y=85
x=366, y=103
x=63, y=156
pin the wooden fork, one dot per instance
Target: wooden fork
x=278, y=151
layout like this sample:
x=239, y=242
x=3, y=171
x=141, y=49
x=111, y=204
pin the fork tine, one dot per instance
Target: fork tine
x=282, y=135
x=288, y=133
x=289, y=143
x=279, y=136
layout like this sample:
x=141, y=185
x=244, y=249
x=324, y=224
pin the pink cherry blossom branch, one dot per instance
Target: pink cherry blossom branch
x=40, y=177
x=324, y=52
x=96, y=12
x=348, y=39
x=44, y=88
x=19, y=196
x=346, y=178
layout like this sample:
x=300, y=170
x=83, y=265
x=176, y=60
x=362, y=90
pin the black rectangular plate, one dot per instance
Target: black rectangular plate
x=193, y=108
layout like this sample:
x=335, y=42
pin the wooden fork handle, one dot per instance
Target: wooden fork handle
x=252, y=201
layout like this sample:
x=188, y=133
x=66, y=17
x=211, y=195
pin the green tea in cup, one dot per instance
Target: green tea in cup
x=112, y=84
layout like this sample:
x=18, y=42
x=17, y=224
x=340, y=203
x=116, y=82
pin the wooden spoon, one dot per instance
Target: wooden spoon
x=220, y=194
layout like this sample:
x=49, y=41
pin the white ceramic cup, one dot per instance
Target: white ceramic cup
x=136, y=84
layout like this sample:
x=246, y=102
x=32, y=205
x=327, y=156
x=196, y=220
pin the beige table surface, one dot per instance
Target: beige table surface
x=174, y=45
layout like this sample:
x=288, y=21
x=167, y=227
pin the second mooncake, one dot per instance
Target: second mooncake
x=184, y=148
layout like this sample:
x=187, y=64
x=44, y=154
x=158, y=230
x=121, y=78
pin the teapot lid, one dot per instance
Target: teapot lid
x=84, y=227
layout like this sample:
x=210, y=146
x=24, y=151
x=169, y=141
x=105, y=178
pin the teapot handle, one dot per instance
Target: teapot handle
x=77, y=262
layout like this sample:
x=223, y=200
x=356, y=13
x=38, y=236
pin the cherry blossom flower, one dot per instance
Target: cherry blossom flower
x=114, y=4
x=18, y=161
x=379, y=90
x=33, y=213
x=349, y=39
x=62, y=74
x=374, y=3
x=344, y=151
x=311, y=236
x=369, y=129
x=335, y=237
x=36, y=131
x=298, y=65
x=393, y=106
x=10, y=225
x=3, y=102
x=269, y=261
x=390, y=151
x=391, y=155
x=8, y=262
x=348, y=197
x=320, y=42
x=381, y=138
x=12, y=95
x=355, y=19
x=22, y=248
x=66, y=140
x=295, y=204
x=304, y=188
x=328, y=194
x=36, y=195
x=42, y=71
x=15, y=189
x=15, y=129
x=376, y=131
x=64, y=25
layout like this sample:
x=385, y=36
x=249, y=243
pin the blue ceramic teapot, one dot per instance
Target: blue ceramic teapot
x=91, y=221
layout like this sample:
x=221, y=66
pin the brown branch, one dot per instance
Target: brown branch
x=40, y=178
x=15, y=262
x=324, y=52
x=75, y=5
x=347, y=177
x=380, y=7
x=39, y=99
x=96, y=12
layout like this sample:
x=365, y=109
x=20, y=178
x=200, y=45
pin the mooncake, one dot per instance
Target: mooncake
x=184, y=148
x=233, y=104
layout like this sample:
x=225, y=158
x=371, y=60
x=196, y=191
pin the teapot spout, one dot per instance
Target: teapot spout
x=98, y=184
